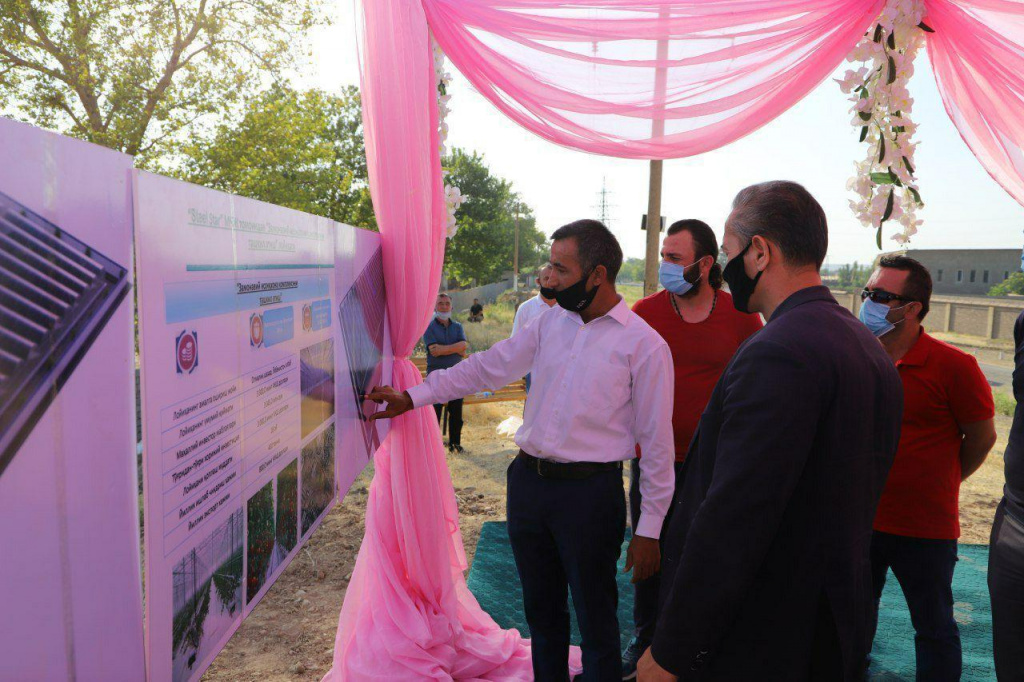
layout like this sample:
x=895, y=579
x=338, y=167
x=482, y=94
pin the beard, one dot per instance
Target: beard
x=694, y=290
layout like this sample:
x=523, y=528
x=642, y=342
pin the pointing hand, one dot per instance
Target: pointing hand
x=398, y=403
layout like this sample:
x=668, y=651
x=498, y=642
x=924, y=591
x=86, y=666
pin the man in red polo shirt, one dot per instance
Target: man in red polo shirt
x=703, y=330
x=947, y=432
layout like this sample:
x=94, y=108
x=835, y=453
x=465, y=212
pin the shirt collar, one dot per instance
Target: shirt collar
x=918, y=353
x=619, y=313
x=798, y=298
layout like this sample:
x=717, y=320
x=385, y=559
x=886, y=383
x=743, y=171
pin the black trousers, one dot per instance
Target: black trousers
x=454, y=420
x=924, y=568
x=645, y=593
x=567, y=535
x=1006, y=588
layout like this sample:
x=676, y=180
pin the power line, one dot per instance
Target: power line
x=603, y=207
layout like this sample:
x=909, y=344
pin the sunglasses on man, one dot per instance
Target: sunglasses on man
x=882, y=296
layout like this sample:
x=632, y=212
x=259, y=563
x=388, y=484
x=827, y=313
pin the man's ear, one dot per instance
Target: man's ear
x=762, y=250
x=599, y=276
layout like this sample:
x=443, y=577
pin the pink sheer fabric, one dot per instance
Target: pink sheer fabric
x=643, y=79
x=647, y=79
x=977, y=53
x=408, y=614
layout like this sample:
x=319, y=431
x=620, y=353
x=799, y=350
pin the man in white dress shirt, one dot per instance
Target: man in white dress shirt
x=603, y=383
x=531, y=308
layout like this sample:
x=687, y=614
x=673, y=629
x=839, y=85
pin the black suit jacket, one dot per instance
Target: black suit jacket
x=1013, y=457
x=771, y=524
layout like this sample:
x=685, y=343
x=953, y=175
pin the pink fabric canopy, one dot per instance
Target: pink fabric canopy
x=647, y=79
x=977, y=53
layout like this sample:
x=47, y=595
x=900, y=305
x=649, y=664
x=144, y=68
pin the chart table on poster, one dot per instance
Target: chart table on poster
x=203, y=435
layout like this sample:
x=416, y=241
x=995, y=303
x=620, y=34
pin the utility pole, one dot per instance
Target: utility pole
x=515, y=256
x=654, y=192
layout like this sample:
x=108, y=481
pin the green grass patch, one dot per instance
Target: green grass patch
x=1005, y=404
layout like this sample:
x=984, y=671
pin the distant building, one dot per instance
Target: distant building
x=967, y=272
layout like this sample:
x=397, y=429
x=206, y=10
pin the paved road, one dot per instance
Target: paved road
x=999, y=376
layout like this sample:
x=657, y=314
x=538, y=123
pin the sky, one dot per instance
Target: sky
x=813, y=144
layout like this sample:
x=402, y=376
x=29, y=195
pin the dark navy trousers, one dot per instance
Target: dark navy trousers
x=567, y=535
x=924, y=569
x=646, y=593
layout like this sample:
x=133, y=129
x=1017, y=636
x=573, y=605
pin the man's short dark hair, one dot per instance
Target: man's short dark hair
x=595, y=244
x=444, y=295
x=704, y=244
x=919, y=280
x=787, y=214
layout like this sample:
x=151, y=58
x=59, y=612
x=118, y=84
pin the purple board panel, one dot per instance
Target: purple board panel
x=70, y=576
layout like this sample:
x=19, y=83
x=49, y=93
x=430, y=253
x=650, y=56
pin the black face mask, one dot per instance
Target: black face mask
x=740, y=285
x=574, y=298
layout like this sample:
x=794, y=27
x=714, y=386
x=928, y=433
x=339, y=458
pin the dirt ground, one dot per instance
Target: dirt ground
x=290, y=635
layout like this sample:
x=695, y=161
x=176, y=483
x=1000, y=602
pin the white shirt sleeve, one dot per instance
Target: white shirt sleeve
x=653, y=395
x=517, y=322
x=498, y=366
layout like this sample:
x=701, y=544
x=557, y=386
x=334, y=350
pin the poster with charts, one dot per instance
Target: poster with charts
x=242, y=367
x=70, y=573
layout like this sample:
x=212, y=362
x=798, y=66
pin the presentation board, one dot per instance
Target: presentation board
x=251, y=365
x=70, y=574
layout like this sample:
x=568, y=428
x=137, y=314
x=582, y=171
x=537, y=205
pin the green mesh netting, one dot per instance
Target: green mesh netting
x=494, y=581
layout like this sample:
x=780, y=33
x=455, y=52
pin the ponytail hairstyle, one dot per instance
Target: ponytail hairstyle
x=704, y=244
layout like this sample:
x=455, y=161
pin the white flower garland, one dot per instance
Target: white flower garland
x=453, y=198
x=885, y=182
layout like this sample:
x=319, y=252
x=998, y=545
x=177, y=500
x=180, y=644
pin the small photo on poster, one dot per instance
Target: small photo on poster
x=207, y=596
x=262, y=542
x=288, y=507
x=317, y=477
x=316, y=370
x=273, y=518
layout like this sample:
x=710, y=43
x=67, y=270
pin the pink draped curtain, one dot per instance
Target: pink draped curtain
x=408, y=614
x=647, y=79
x=977, y=53
x=643, y=79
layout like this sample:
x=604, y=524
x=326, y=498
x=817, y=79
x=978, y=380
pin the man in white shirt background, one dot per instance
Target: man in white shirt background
x=531, y=308
x=603, y=383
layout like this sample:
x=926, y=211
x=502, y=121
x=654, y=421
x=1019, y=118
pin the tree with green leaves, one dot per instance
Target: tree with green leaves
x=1014, y=284
x=632, y=270
x=482, y=250
x=303, y=150
x=854, y=276
x=135, y=75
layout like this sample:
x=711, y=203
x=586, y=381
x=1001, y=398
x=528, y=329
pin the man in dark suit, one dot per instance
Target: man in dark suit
x=766, y=562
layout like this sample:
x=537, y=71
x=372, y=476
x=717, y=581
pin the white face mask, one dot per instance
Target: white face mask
x=444, y=317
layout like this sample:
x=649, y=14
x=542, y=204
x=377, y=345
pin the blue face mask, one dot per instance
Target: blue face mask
x=673, y=277
x=874, y=316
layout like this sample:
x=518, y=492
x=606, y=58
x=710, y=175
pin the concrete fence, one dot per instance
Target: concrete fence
x=990, y=318
x=462, y=299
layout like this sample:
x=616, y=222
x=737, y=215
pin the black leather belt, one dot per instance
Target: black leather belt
x=545, y=468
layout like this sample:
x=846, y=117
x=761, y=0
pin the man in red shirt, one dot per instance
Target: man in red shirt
x=947, y=432
x=703, y=330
